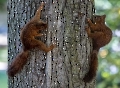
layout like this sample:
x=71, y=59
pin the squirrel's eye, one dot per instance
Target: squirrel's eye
x=42, y=27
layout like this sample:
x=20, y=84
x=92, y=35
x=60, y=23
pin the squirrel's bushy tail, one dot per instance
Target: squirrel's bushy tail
x=18, y=63
x=92, y=67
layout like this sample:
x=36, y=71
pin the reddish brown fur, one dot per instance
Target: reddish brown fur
x=28, y=34
x=101, y=35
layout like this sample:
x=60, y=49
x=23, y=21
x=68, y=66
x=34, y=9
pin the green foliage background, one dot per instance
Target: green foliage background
x=2, y=5
x=109, y=56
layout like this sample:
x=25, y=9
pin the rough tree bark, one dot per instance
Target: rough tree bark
x=64, y=66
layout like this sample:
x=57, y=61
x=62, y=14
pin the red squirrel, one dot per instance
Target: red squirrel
x=100, y=35
x=27, y=36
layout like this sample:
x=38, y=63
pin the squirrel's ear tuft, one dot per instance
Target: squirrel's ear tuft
x=104, y=16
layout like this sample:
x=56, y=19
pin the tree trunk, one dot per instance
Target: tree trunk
x=63, y=67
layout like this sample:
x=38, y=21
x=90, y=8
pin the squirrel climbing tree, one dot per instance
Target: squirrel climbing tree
x=28, y=37
x=101, y=35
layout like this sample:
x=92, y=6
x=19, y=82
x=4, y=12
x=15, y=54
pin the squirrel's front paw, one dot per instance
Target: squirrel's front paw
x=52, y=46
x=87, y=19
x=86, y=28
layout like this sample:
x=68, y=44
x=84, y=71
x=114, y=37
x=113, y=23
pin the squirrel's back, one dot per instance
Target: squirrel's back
x=104, y=39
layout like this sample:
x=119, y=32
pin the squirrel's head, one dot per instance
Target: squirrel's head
x=36, y=25
x=99, y=19
x=41, y=25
